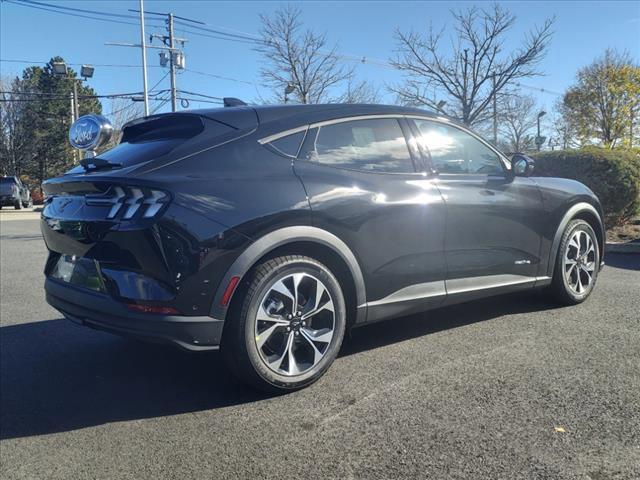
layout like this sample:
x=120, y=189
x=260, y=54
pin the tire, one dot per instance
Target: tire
x=573, y=270
x=285, y=349
x=18, y=205
x=29, y=204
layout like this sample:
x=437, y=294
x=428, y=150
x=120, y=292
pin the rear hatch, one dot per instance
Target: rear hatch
x=7, y=186
x=156, y=140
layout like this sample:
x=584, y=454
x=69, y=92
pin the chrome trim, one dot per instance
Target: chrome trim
x=277, y=136
x=412, y=292
x=452, y=287
x=471, y=284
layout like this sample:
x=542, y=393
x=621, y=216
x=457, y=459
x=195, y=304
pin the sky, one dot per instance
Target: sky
x=361, y=29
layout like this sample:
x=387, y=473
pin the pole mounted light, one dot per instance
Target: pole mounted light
x=539, y=139
x=59, y=68
x=87, y=71
x=287, y=90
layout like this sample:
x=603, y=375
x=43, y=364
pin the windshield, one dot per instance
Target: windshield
x=8, y=181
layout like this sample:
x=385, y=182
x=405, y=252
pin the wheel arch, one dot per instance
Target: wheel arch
x=584, y=211
x=302, y=240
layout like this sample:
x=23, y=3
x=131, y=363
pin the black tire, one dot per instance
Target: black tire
x=29, y=204
x=18, y=205
x=561, y=288
x=239, y=342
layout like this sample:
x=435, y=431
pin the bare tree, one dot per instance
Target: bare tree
x=518, y=114
x=298, y=58
x=475, y=71
x=121, y=111
x=15, y=140
x=360, y=92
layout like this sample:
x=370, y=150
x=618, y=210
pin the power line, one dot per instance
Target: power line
x=62, y=10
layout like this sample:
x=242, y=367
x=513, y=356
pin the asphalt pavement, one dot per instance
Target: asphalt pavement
x=511, y=387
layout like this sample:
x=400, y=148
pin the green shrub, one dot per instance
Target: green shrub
x=613, y=175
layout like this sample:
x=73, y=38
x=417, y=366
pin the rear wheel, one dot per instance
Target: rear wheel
x=17, y=205
x=288, y=327
x=577, y=264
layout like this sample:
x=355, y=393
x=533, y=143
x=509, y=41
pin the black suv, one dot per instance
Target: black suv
x=268, y=231
x=13, y=193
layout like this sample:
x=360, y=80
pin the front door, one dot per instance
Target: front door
x=493, y=218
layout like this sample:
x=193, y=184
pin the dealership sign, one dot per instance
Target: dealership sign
x=90, y=132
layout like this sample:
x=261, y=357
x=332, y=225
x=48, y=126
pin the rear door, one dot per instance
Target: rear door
x=493, y=218
x=367, y=186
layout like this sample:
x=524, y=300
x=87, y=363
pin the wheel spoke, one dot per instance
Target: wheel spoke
x=293, y=365
x=325, y=335
x=263, y=316
x=277, y=363
x=317, y=354
x=282, y=289
x=263, y=336
x=297, y=278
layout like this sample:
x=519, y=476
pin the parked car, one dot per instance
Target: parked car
x=269, y=231
x=14, y=193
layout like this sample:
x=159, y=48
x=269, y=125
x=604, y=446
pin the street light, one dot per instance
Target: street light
x=540, y=140
x=59, y=68
x=87, y=71
x=287, y=90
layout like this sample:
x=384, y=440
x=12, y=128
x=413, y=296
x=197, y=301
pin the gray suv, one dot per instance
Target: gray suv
x=13, y=193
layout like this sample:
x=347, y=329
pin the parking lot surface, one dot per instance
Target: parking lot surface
x=508, y=387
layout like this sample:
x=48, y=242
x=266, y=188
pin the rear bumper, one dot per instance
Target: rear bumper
x=100, y=311
x=8, y=200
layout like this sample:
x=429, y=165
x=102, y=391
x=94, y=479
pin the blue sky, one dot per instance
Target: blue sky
x=363, y=29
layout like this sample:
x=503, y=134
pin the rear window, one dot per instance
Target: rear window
x=8, y=181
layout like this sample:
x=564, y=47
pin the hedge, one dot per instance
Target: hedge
x=613, y=175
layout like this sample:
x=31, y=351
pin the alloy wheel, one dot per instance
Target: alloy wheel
x=579, y=262
x=294, y=324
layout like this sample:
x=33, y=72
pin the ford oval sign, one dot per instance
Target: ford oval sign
x=90, y=132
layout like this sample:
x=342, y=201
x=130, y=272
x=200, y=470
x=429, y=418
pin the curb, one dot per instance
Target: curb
x=629, y=247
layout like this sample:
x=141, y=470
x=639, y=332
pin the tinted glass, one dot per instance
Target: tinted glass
x=454, y=151
x=376, y=145
x=8, y=181
x=289, y=145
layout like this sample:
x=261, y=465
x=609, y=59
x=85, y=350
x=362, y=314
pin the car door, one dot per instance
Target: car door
x=494, y=220
x=366, y=185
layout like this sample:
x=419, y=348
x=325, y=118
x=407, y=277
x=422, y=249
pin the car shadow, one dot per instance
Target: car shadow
x=56, y=376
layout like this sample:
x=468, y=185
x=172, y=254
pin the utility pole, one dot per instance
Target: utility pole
x=495, y=111
x=144, y=60
x=172, y=65
x=76, y=101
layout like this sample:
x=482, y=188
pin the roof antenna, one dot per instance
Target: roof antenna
x=233, y=102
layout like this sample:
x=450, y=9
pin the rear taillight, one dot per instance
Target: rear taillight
x=127, y=202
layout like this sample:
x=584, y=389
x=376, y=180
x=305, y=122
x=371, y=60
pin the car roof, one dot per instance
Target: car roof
x=301, y=114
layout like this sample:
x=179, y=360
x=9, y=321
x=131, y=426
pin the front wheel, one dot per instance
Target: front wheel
x=17, y=205
x=286, y=330
x=577, y=264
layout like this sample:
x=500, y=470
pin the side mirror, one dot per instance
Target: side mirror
x=521, y=165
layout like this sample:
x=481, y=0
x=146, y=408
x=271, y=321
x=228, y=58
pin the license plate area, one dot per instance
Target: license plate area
x=78, y=271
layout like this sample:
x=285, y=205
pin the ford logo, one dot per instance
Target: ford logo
x=90, y=132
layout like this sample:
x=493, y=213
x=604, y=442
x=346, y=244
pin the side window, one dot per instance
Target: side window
x=289, y=145
x=455, y=151
x=375, y=145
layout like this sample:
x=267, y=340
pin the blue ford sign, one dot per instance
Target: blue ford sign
x=90, y=132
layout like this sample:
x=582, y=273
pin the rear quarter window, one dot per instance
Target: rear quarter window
x=289, y=146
